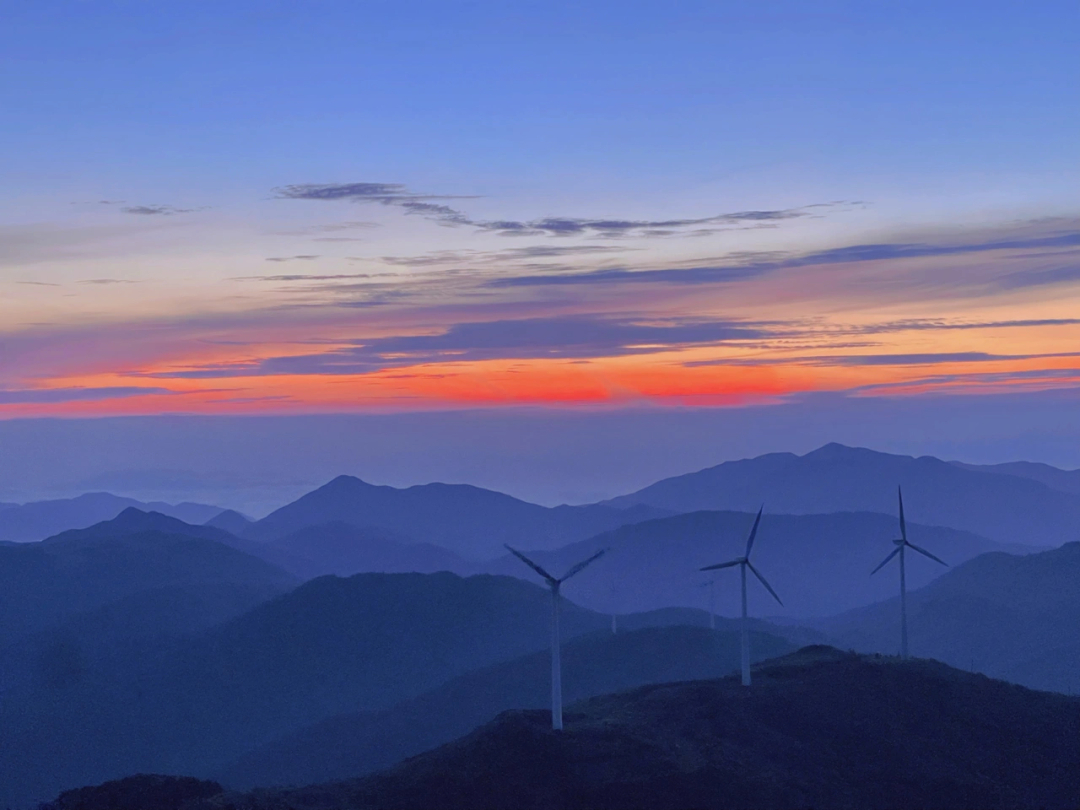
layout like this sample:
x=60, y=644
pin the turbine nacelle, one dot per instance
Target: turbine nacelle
x=745, y=559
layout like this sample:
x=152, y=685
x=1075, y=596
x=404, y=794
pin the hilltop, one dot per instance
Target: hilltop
x=819, y=728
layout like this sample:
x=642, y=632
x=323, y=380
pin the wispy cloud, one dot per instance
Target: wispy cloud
x=398, y=195
x=52, y=395
x=302, y=277
x=505, y=255
x=712, y=274
x=305, y=257
x=529, y=338
x=159, y=210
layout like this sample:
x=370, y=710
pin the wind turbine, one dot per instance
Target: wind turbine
x=744, y=562
x=901, y=544
x=711, y=585
x=614, y=616
x=556, y=664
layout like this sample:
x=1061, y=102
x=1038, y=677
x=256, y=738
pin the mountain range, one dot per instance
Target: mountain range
x=470, y=521
x=28, y=522
x=43, y=584
x=1008, y=505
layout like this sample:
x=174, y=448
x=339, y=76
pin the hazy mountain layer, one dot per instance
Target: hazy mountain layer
x=343, y=550
x=819, y=729
x=1053, y=477
x=41, y=519
x=43, y=584
x=1005, y=508
x=819, y=564
x=467, y=520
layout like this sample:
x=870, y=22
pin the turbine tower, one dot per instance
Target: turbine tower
x=901, y=544
x=556, y=663
x=614, y=616
x=744, y=562
x=711, y=585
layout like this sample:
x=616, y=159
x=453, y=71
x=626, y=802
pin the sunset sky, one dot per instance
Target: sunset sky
x=283, y=208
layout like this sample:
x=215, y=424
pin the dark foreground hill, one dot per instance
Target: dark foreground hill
x=820, y=564
x=1011, y=617
x=595, y=664
x=819, y=728
x=468, y=520
x=834, y=478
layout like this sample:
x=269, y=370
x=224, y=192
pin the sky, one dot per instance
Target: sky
x=291, y=210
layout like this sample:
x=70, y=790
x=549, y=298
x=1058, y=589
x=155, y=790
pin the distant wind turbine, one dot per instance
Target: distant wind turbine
x=744, y=562
x=614, y=616
x=901, y=544
x=711, y=585
x=556, y=663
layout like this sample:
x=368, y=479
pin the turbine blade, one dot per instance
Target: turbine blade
x=720, y=565
x=753, y=531
x=903, y=523
x=551, y=580
x=763, y=582
x=926, y=553
x=577, y=569
x=895, y=551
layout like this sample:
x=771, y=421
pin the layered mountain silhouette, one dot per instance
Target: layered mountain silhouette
x=344, y=549
x=1053, y=477
x=820, y=564
x=231, y=521
x=328, y=648
x=43, y=584
x=1008, y=508
x=1012, y=617
x=594, y=664
x=470, y=521
x=40, y=519
x=332, y=548
x=819, y=729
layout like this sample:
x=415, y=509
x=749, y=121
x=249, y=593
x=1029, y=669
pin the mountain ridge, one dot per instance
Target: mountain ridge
x=836, y=478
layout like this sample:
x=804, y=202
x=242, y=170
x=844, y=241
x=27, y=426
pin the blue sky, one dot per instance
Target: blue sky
x=539, y=105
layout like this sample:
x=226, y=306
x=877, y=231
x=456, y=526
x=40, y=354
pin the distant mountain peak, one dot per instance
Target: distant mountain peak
x=837, y=450
x=133, y=518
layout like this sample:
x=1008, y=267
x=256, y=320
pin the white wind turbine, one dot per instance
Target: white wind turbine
x=556, y=664
x=744, y=563
x=901, y=544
